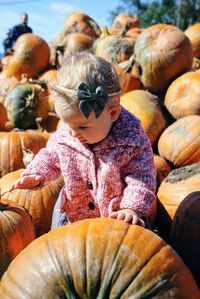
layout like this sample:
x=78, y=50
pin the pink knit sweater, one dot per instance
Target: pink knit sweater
x=117, y=173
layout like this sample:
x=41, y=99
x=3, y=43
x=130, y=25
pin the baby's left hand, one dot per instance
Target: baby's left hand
x=128, y=216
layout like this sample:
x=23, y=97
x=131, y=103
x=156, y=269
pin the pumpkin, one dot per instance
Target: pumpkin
x=128, y=82
x=25, y=103
x=49, y=77
x=31, y=56
x=180, y=142
x=98, y=258
x=192, y=33
x=182, y=96
x=76, y=42
x=160, y=61
x=3, y=116
x=124, y=19
x=115, y=48
x=16, y=232
x=6, y=85
x=13, y=144
x=82, y=23
x=39, y=202
x=185, y=233
x=162, y=169
x=177, y=185
x=147, y=108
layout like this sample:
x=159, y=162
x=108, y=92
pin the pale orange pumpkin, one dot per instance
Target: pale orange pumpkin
x=39, y=202
x=147, y=108
x=180, y=142
x=193, y=33
x=182, y=96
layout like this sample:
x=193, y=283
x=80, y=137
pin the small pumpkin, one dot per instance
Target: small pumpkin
x=16, y=232
x=25, y=103
x=98, y=258
x=38, y=202
x=31, y=56
x=185, y=233
x=124, y=19
x=82, y=23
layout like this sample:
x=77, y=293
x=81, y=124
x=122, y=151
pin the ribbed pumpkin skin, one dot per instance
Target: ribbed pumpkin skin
x=12, y=145
x=163, y=53
x=38, y=202
x=192, y=33
x=146, y=107
x=31, y=56
x=182, y=96
x=25, y=103
x=98, y=258
x=177, y=185
x=180, y=142
x=185, y=233
x=16, y=232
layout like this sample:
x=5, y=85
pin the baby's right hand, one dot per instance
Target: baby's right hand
x=27, y=182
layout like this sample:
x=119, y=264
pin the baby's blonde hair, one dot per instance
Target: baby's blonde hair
x=94, y=71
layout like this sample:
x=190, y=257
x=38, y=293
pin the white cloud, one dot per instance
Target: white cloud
x=63, y=8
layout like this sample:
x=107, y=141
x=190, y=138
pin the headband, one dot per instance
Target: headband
x=88, y=100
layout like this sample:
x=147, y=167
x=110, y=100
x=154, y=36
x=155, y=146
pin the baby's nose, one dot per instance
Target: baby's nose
x=75, y=133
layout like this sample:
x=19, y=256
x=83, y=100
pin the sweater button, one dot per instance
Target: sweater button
x=91, y=206
x=89, y=185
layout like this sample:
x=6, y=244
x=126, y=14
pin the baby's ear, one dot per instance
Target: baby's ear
x=114, y=112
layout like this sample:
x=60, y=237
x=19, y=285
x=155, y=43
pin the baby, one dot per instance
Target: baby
x=100, y=148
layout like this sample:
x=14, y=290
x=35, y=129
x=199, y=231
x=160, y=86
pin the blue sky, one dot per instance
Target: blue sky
x=46, y=17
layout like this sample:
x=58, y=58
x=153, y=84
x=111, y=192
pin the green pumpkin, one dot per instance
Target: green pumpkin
x=25, y=103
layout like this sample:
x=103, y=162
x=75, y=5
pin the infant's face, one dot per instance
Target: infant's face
x=91, y=130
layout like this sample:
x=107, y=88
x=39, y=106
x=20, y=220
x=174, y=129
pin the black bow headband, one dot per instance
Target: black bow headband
x=91, y=100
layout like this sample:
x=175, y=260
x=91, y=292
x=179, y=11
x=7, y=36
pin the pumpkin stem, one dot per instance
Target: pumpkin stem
x=124, y=30
x=28, y=155
x=130, y=65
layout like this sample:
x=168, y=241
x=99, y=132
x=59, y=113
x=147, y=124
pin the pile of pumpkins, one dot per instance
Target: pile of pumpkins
x=159, y=75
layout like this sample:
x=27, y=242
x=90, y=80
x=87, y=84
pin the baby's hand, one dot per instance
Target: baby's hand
x=27, y=182
x=128, y=216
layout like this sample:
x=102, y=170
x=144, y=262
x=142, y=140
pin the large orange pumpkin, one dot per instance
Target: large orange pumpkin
x=13, y=144
x=49, y=77
x=180, y=142
x=162, y=53
x=38, y=202
x=147, y=108
x=193, y=33
x=16, y=232
x=31, y=56
x=182, y=96
x=98, y=258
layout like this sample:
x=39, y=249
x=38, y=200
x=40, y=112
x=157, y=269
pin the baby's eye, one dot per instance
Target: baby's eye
x=82, y=128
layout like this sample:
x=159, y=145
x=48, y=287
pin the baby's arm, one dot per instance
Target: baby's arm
x=42, y=169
